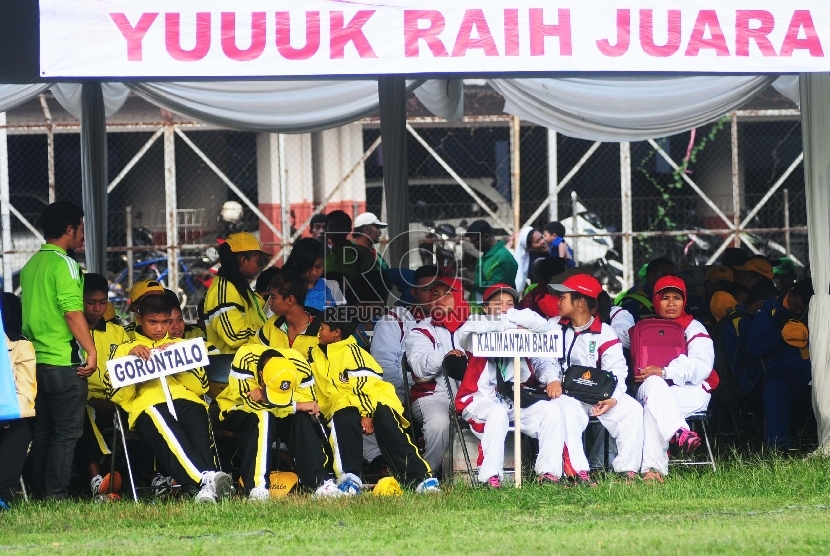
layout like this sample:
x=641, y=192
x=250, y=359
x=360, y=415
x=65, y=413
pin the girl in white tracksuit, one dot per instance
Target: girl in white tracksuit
x=682, y=387
x=426, y=346
x=490, y=412
x=590, y=342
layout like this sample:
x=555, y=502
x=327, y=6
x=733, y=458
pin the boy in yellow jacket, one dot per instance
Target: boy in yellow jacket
x=182, y=445
x=356, y=400
x=92, y=448
x=270, y=394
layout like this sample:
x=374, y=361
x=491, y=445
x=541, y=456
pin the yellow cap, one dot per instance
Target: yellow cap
x=279, y=380
x=241, y=242
x=796, y=334
x=142, y=288
x=720, y=304
x=281, y=483
x=109, y=312
x=719, y=273
x=758, y=265
x=387, y=486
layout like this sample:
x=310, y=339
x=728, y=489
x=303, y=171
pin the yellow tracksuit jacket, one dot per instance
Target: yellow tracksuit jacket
x=244, y=377
x=345, y=375
x=107, y=337
x=136, y=398
x=272, y=335
x=231, y=321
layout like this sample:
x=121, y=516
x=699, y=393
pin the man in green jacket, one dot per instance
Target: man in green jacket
x=53, y=319
x=496, y=265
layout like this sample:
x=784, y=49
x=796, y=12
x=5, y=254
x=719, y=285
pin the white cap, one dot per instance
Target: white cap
x=366, y=219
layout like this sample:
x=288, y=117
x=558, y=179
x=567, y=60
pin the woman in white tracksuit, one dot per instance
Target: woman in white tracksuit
x=490, y=412
x=671, y=393
x=592, y=343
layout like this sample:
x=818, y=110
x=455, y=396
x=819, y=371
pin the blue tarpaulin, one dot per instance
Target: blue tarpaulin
x=9, y=407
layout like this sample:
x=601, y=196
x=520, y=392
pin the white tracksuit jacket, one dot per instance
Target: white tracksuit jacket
x=597, y=345
x=388, y=345
x=665, y=407
x=425, y=346
x=622, y=322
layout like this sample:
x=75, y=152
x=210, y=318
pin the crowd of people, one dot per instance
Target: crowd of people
x=342, y=365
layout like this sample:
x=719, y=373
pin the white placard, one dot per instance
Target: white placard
x=518, y=343
x=178, y=357
x=261, y=38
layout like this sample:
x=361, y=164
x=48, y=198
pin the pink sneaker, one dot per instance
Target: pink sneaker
x=493, y=482
x=582, y=478
x=548, y=479
x=688, y=440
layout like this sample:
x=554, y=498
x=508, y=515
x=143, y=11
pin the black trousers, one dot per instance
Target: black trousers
x=183, y=448
x=401, y=455
x=15, y=437
x=92, y=446
x=256, y=433
x=58, y=424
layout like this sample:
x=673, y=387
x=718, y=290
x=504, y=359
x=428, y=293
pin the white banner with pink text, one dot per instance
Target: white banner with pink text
x=263, y=38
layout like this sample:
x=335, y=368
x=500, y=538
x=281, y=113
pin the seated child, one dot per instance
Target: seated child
x=356, y=400
x=490, y=411
x=592, y=343
x=16, y=434
x=179, y=328
x=270, y=389
x=140, y=290
x=92, y=447
x=182, y=445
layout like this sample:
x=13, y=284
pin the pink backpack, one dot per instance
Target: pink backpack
x=656, y=342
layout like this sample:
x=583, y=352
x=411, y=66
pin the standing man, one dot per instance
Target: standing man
x=496, y=264
x=345, y=257
x=366, y=233
x=317, y=227
x=53, y=318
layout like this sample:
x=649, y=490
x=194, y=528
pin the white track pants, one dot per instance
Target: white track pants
x=664, y=411
x=543, y=420
x=576, y=421
x=624, y=422
x=433, y=414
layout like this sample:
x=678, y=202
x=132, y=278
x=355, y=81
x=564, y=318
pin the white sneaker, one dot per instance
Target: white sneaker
x=220, y=483
x=429, y=486
x=350, y=484
x=162, y=485
x=259, y=494
x=206, y=495
x=95, y=485
x=328, y=489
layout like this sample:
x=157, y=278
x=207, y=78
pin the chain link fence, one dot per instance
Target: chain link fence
x=682, y=190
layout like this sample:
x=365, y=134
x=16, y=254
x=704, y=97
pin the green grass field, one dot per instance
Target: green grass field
x=759, y=506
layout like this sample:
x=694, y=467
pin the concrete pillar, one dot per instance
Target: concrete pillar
x=299, y=180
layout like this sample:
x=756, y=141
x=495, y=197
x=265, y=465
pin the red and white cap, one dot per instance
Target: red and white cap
x=496, y=288
x=579, y=283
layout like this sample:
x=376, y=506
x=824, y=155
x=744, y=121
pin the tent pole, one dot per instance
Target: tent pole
x=736, y=181
x=94, y=177
x=392, y=97
x=171, y=202
x=815, y=130
x=285, y=210
x=553, y=176
x=5, y=217
x=516, y=175
x=627, y=226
